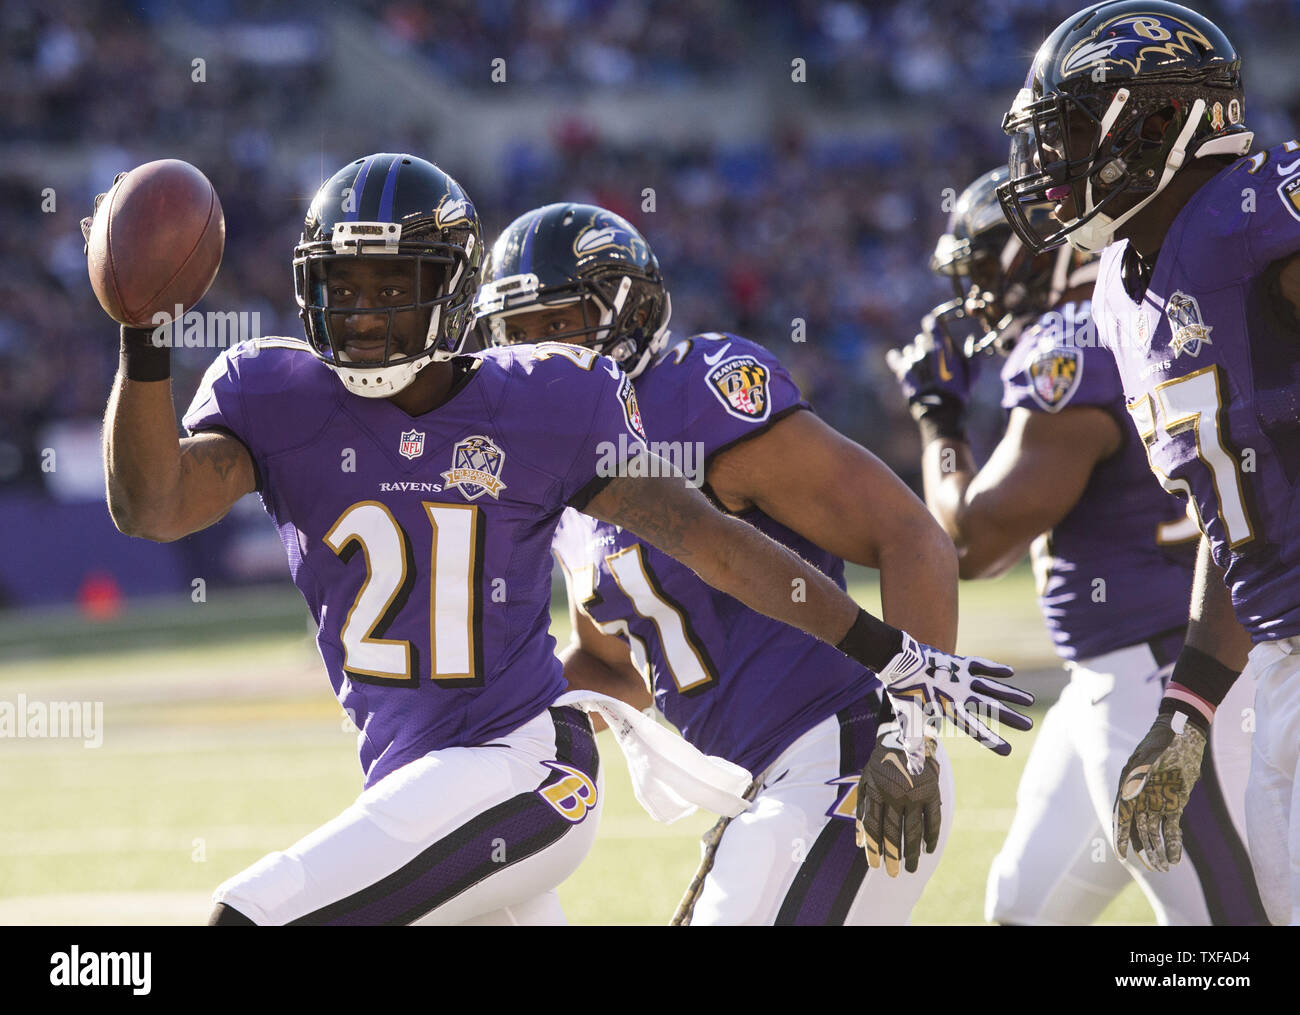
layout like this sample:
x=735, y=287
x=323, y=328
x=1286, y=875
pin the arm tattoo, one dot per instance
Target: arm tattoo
x=633, y=504
x=220, y=455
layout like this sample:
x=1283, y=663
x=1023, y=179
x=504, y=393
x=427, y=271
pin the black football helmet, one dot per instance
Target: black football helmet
x=567, y=253
x=997, y=281
x=1081, y=128
x=395, y=207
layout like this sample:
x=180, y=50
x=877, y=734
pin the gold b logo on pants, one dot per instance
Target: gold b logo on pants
x=573, y=796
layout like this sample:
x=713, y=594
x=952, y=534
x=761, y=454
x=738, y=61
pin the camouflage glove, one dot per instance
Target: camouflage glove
x=1153, y=790
x=897, y=810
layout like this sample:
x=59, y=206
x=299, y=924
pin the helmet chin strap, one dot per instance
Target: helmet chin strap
x=1099, y=231
x=657, y=341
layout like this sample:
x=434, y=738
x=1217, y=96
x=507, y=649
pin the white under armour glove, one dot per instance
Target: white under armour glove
x=921, y=679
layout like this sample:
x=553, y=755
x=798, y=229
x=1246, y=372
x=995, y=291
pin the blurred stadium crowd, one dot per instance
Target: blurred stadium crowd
x=825, y=212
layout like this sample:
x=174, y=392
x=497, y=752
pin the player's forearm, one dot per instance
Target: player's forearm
x=975, y=519
x=142, y=460
x=1212, y=625
x=586, y=672
x=947, y=467
x=728, y=554
x=918, y=584
x=1215, y=650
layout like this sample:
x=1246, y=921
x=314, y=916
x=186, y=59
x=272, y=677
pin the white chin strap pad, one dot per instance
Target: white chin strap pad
x=1099, y=231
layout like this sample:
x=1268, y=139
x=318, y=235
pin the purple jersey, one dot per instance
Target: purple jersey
x=1212, y=376
x=736, y=683
x=1117, y=569
x=422, y=544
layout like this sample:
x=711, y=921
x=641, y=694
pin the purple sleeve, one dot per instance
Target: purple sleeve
x=734, y=389
x=217, y=404
x=1273, y=232
x=1045, y=374
x=577, y=416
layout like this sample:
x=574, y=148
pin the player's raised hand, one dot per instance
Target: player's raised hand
x=959, y=686
x=897, y=810
x=88, y=222
x=931, y=369
x=1153, y=790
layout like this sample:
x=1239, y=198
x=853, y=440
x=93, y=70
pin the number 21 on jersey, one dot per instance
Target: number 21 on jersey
x=455, y=606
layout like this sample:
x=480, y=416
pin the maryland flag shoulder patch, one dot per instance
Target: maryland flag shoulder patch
x=1054, y=376
x=740, y=383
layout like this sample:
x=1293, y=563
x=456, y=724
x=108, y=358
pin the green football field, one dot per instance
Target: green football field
x=220, y=745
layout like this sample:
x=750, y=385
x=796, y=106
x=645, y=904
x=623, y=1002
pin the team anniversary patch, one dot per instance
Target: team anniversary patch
x=631, y=411
x=1188, y=330
x=740, y=384
x=1054, y=376
x=476, y=464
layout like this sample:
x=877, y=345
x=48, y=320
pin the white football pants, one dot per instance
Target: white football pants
x=1273, y=793
x=792, y=858
x=466, y=834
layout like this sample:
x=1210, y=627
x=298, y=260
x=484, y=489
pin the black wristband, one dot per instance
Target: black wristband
x=939, y=415
x=141, y=359
x=871, y=642
x=1202, y=675
x=1168, y=706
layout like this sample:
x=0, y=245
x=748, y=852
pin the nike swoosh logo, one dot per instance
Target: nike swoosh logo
x=712, y=360
x=613, y=371
x=1288, y=170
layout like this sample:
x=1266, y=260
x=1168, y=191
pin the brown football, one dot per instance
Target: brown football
x=156, y=242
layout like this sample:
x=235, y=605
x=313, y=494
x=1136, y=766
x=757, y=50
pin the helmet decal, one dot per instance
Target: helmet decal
x=608, y=233
x=1134, y=42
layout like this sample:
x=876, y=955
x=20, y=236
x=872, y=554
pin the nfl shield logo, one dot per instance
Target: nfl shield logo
x=412, y=445
x=476, y=468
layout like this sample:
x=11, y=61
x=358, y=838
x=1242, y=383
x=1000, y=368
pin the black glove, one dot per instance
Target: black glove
x=897, y=810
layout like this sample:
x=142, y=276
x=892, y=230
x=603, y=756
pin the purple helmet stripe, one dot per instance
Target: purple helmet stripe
x=390, y=184
x=358, y=188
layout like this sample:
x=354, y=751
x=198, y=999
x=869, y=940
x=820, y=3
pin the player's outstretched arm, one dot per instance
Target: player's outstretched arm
x=1033, y=479
x=161, y=487
x=738, y=559
x=1157, y=780
x=595, y=661
x=849, y=503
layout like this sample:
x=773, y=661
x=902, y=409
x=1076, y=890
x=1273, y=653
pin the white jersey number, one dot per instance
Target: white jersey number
x=455, y=608
x=1194, y=403
x=687, y=659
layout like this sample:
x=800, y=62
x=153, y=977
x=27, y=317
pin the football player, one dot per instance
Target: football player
x=1132, y=122
x=416, y=493
x=802, y=718
x=1112, y=554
